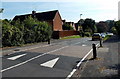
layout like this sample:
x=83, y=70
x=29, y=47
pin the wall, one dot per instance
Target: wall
x=57, y=22
x=58, y=34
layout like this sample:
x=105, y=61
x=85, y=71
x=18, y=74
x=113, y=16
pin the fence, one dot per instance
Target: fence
x=58, y=34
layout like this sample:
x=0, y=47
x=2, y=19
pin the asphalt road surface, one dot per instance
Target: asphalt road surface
x=58, y=59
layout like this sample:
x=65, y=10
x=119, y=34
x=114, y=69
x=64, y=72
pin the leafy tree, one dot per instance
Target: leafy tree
x=102, y=27
x=17, y=37
x=6, y=33
x=117, y=26
x=89, y=25
x=29, y=34
x=67, y=27
x=18, y=31
x=110, y=24
x=113, y=30
x=28, y=31
x=43, y=32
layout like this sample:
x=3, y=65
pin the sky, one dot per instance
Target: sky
x=70, y=10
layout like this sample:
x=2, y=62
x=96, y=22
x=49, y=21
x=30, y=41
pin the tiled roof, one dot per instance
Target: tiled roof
x=44, y=16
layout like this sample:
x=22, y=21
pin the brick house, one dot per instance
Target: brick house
x=52, y=17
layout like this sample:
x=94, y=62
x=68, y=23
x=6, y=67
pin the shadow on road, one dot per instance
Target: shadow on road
x=113, y=39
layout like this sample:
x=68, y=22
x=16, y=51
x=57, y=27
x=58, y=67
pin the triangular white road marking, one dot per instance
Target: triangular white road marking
x=16, y=57
x=50, y=63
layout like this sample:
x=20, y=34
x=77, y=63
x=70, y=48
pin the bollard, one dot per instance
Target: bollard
x=94, y=51
x=48, y=41
x=101, y=42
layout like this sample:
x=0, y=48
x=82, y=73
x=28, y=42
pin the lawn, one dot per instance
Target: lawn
x=71, y=37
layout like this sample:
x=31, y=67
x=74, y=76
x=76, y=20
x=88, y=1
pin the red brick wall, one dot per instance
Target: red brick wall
x=50, y=23
x=58, y=34
x=57, y=23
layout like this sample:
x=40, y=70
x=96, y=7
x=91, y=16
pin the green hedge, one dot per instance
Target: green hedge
x=31, y=30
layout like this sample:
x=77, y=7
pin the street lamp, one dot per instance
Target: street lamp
x=80, y=16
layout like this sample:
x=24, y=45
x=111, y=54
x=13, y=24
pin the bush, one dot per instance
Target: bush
x=6, y=33
x=88, y=34
x=29, y=31
x=67, y=27
x=17, y=37
x=43, y=32
x=117, y=26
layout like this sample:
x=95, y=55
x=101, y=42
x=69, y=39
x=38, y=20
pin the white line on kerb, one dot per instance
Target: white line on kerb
x=32, y=59
x=74, y=70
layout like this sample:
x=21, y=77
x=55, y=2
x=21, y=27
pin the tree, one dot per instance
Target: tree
x=117, y=26
x=43, y=32
x=17, y=37
x=67, y=27
x=29, y=31
x=6, y=33
x=89, y=25
x=110, y=24
x=11, y=35
x=113, y=30
x=102, y=27
x=29, y=34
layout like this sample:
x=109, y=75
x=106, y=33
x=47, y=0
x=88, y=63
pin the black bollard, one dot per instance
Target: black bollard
x=94, y=51
x=101, y=42
x=49, y=41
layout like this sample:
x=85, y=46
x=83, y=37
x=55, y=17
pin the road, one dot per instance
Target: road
x=58, y=59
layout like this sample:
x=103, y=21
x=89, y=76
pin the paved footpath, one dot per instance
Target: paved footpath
x=106, y=65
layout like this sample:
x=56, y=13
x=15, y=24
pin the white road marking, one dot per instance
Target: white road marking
x=50, y=63
x=77, y=43
x=31, y=59
x=16, y=57
x=74, y=70
x=84, y=45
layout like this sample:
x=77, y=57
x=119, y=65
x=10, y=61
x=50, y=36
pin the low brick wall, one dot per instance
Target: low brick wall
x=58, y=34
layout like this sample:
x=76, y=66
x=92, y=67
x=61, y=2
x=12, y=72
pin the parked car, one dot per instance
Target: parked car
x=96, y=36
x=108, y=33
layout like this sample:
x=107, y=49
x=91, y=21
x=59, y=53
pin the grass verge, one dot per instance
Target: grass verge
x=107, y=37
x=71, y=37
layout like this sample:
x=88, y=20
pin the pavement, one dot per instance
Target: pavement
x=105, y=66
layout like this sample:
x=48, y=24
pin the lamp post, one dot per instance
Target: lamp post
x=80, y=28
x=80, y=16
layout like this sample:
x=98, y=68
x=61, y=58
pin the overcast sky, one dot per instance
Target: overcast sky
x=99, y=10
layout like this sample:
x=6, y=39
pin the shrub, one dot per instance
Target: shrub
x=67, y=27
x=87, y=34
x=28, y=31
